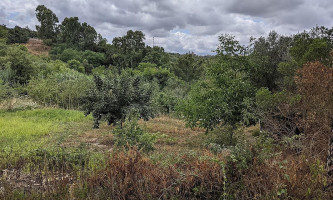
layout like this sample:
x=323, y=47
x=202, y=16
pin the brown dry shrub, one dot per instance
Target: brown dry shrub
x=130, y=175
x=286, y=177
x=315, y=85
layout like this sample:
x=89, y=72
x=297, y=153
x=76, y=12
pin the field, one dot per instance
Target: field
x=44, y=151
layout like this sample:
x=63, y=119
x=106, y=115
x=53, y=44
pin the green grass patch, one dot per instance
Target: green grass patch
x=23, y=131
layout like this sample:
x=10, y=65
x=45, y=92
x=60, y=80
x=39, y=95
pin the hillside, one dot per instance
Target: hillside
x=37, y=47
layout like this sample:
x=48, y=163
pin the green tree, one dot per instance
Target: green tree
x=128, y=50
x=71, y=31
x=48, y=23
x=18, y=59
x=156, y=55
x=76, y=65
x=3, y=34
x=19, y=35
x=114, y=96
x=189, y=67
x=151, y=72
x=266, y=55
x=88, y=37
x=225, y=94
x=315, y=45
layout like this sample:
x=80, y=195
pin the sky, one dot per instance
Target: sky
x=180, y=26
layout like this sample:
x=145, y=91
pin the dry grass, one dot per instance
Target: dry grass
x=37, y=47
x=131, y=175
x=174, y=128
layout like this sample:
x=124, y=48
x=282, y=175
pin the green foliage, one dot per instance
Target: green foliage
x=70, y=54
x=6, y=92
x=76, y=65
x=166, y=99
x=152, y=72
x=241, y=155
x=64, y=89
x=189, y=67
x=70, y=31
x=306, y=48
x=88, y=37
x=218, y=99
x=268, y=101
x=18, y=59
x=19, y=35
x=77, y=35
x=88, y=58
x=265, y=57
x=46, y=67
x=314, y=45
x=220, y=138
x=48, y=23
x=128, y=50
x=93, y=58
x=3, y=34
x=130, y=134
x=114, y=96
x=156, y=55
x=228, y=46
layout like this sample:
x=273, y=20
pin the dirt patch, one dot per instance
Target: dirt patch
x=37, y=47
x=17, y=179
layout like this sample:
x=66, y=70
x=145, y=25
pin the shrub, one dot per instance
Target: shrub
x=113, y=97
x=130, y=135
x=130, y=175
x=64, y=89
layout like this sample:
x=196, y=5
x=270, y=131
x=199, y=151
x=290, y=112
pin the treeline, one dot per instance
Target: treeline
x=78, y=53
x=18, y=34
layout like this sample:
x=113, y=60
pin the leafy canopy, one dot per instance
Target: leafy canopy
x=115, y=95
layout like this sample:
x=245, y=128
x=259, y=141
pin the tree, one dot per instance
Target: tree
x=225, y=94
x=188, y=67
x=114, y=96
x=129, y=49
x=151, y=72
x=19, y=35
x=220, y=99
x=156, y=55
x=266, y=55
x=3, y=34
x=18, y=59
x=48, y=23
x=88, y=37
x=305, y=47
x=71, y=31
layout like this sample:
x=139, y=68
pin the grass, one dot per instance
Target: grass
x=23, y=131
x=56, y=154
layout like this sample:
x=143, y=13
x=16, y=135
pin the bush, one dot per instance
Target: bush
x=113, y=97
x=130, y=175
x=130, y=134
x=64, y=89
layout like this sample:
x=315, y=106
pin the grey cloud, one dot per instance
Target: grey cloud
x=163, y=19
x=263, y=8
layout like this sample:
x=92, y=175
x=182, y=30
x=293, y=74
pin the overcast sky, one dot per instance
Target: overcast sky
x=180, y=25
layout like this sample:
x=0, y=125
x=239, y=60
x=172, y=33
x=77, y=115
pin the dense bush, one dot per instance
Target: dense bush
x=114, y=96
x=18, y=59
x=67, y=89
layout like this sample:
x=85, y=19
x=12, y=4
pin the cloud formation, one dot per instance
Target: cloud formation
x=180, y=25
